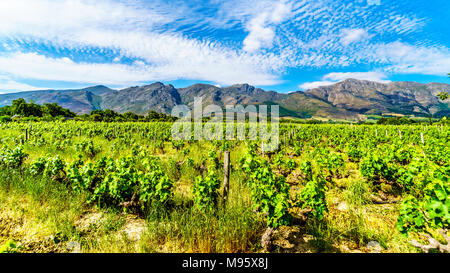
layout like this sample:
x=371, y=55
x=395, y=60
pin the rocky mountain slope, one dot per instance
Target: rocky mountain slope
x=377, y=98
x=348, y=99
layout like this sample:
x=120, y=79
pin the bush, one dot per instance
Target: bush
x=206, y=190
x=155, y=185
x=312, y=197
x=88, y=148
x=395, y=121
x=4, y=119
x=270, y=193
x=53, y=167
x=12, y=158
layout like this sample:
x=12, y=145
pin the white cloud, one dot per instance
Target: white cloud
x=330, y=34
x=311, y=85
x=403, y=58
x=400, y=24
x=368, y=76
x=127, y=31
x=349, y=36
x=261, y=28
x=259, y=36
x=35, y=66
x=173, y=57
x=53, y=18
x=8, y=85
x=333, y=78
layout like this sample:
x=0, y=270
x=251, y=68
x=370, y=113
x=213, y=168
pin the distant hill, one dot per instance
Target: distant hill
x=77, y=100
x=348, y=99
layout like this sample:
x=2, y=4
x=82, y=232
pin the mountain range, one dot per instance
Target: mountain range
x=350, y=99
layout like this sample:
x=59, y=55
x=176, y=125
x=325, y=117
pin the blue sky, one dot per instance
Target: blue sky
x=276, y=45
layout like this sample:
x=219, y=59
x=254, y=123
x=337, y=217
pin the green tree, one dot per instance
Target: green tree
x=110, y=115
x=130, y=116
x=153, y=115
x=54, y=110
x=5, y=111
x=18, y=107
x=21, y=107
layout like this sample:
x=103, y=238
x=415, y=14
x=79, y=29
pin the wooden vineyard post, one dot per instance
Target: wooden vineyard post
x=376, y=132
x=26, y=134
x=226, y=174
x=400, y=133
x=421, y=137
x=79, y=132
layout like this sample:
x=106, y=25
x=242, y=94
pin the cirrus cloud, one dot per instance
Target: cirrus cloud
x=126, y=31
x=353, y=35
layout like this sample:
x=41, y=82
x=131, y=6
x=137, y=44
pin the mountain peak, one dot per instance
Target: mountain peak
x=245, y=87
x=352, y=80
x=98, y=89
x=202, y=85
x=356, y=81
x=97, y=86
x=156, y=84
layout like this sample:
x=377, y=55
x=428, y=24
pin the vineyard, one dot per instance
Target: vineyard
x=72, y=186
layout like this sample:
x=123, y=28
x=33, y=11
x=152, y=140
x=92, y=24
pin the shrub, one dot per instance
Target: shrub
x=12, y=158
x=4, y=119
x=206, y=190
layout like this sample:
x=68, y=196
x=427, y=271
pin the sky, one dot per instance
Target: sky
x=275, y=45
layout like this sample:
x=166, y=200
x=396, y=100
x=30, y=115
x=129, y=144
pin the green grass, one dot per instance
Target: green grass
x=51, y=210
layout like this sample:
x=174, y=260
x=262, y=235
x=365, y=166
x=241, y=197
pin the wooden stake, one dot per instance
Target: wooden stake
x=421, y=137
x=226, y=174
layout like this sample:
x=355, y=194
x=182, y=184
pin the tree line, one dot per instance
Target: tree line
x=30, y=111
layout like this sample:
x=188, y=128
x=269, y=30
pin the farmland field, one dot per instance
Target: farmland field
x=129, y=187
